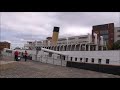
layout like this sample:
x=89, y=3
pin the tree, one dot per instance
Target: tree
x=116, y=45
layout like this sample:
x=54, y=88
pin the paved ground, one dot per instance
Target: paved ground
x=32, y=69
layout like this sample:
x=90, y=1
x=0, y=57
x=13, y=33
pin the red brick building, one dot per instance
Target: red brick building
x=105, y=30
x=4, y=45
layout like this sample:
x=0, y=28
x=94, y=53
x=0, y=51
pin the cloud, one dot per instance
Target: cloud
x=18, y=27
x=88, y=18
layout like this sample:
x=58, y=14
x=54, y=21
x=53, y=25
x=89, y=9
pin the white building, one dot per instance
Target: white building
x=74, y=43
x=116, y=34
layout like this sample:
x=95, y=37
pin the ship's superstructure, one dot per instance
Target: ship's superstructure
x=73, y=43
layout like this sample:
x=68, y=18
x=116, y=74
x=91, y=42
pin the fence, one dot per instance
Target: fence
x=40, y=58
x=49, y=60
x=4, y=54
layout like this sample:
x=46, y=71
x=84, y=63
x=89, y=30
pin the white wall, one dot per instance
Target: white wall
x=113, y=56
x=116, y=33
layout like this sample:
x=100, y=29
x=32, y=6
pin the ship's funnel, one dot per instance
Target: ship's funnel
x=55, y=36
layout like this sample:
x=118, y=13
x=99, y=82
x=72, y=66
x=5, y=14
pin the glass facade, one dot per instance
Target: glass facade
x=105, y=37
x=103, y=32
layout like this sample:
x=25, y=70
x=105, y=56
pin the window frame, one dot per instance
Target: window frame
x=107, y=62
x=76, y=59
x=86, y=59
x=100, y=61
x=92, y=60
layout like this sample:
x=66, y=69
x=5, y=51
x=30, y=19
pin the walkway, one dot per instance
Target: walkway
x=33, y=69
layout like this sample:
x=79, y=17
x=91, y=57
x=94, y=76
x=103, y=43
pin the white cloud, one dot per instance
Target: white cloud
x=30, y=25
x=6, y=41
x=34, y=23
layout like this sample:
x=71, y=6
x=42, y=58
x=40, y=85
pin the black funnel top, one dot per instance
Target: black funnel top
x=56, y=29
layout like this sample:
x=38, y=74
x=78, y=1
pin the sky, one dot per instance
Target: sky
x=20, y=27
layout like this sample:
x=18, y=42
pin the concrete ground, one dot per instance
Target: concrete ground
x=33, y=69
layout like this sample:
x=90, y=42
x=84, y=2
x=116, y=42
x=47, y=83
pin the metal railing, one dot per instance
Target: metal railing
x=39, y=58
x=49, y=60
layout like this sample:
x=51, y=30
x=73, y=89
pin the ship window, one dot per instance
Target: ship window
x=75, y=59
x=99, y=61
x=107, y=61
x=92, y=60
x=86, y=59
x=71, y=58
x=80, y=59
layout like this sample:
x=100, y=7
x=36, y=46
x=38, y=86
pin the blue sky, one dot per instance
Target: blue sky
x=19, y=27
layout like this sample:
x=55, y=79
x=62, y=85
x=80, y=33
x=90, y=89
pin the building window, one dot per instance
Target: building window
x=86, y=59
x=80, y=59
x=105, y=36
x=75, y=59
x=71, y=59
x=92, y=60
x=107, y=61
x=99, y=61
x=103, y=32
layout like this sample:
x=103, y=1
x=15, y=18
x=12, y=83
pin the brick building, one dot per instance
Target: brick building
x=4, y=45
x=105, y=30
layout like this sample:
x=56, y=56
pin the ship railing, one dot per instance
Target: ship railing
x=49, y=60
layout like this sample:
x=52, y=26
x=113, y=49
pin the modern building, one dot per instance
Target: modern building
x=4, y=45
x=105, y=30
x=116, y=34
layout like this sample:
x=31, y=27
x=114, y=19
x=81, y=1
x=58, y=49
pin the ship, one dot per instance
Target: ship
x=81, y=51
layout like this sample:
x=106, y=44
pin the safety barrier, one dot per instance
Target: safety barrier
x=49, y=60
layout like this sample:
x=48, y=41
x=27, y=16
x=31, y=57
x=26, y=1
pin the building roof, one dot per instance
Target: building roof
x=4, y=42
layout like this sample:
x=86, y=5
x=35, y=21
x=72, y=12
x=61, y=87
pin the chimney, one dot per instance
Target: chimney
x=55, y=36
